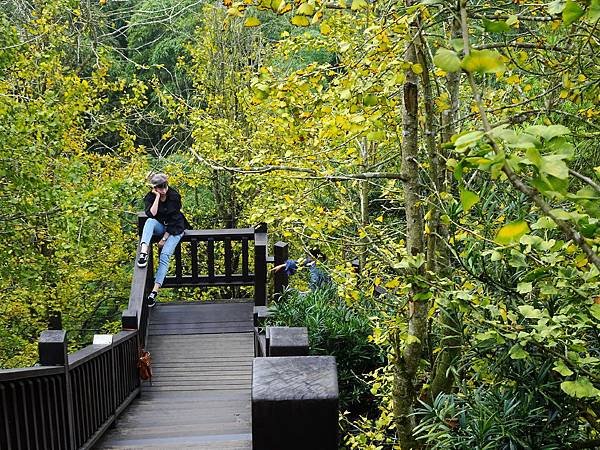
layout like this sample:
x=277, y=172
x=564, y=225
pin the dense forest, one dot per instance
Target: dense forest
x=448, y=148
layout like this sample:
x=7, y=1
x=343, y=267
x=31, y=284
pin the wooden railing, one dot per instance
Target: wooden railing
x=217, y=258
x=69, y=401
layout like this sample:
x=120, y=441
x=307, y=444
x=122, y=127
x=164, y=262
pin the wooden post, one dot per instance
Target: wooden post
x=280, y=278
x=129, y=320
x=260, y=265
x=55, y=320
x=52, y=349
x=141, y=222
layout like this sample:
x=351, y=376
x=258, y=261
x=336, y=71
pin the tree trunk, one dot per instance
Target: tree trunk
x=364, y=198
x=407, y=361
x=450, y=326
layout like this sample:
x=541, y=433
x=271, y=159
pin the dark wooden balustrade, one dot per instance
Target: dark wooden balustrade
x=197, y=263
x=71, y=400
x=206, y=258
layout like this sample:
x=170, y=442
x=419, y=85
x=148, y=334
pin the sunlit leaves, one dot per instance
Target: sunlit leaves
x=251, y=22
x=447, y=60
x=528, y=311
x=467, y=140
x=582, y=387
x=325, y=29
x=562, y=368
x=468, y=199
x=483, y=61
x=306, y=9
x=572, y=12
x=594, y=11
x=547, y=132
x=556, y=7
x=518, y=352
x=495, y=26
x=358, y=4
x=511, y=232
x=595, y=311
x=280, y=6
x=300, y=21
x=524, y=288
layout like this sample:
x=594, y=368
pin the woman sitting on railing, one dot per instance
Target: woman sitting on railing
x=165, y=219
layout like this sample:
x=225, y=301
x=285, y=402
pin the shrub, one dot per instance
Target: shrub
x=335, y=329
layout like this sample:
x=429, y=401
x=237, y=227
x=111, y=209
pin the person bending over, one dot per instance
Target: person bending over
x=318, y=277
x=165, y=219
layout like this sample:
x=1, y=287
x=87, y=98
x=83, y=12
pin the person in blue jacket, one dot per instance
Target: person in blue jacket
x=318, y=278
x=165, y=219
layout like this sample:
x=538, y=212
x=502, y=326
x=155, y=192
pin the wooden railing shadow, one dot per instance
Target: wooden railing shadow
x=69, y=401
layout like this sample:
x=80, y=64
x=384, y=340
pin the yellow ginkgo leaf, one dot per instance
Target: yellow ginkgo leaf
x=511, y=232
x=306, y=9
x=252, y=22
x=300, y=21
x=417, y=68
x=317, y=17
x=358, y=4
x=284, y=8
x=234, y=12
x=325, y=29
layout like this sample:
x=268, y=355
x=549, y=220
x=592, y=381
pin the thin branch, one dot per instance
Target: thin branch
x=537, y=46
x=585, y=179
x=313, y=173
x=506, y=17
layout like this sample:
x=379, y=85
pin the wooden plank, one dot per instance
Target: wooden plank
x=198, y=317
x=216, y=280
x=209, y=308
x=197, y=397
x=200, y=396
x=232, y=233
x=198, y=331
x=216, y=442
x=203, y=328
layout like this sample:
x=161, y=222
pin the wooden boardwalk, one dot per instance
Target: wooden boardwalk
x=200, y=394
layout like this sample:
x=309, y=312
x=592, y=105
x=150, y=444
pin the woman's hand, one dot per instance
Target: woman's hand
x=155, y=192
x=163, y=241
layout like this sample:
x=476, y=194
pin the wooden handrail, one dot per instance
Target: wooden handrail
x=28, y=372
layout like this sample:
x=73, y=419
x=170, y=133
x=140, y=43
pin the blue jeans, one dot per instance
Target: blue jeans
x=153, y=227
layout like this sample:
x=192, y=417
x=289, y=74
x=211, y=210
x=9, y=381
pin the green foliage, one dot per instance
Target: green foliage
x=63, y=203
x=498, y=418
x=303, y=127
x=335, y=329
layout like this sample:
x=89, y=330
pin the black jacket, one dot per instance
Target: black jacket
x=169, y=212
